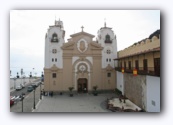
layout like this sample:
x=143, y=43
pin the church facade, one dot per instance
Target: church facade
x=80, y=63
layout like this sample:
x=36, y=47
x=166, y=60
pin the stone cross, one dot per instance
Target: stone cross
x=82, y=28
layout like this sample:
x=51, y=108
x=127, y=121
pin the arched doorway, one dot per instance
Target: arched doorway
x=82, y=85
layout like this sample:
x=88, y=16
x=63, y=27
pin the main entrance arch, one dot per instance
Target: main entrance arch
x=82, y=85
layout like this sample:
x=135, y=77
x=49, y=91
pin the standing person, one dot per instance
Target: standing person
x=43, y=92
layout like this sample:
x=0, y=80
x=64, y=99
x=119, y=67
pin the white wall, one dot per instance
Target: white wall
x=120, y=82
x=112, y=46
x=50, y=45
x=153, y=94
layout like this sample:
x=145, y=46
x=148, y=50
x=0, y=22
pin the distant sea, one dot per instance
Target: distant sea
x=26, y=72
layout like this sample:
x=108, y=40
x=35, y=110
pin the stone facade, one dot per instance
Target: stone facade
x=135, y=89
x=136, y=63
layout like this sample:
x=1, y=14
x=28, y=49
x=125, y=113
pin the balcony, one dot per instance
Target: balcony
x=150, y=71
x=128, y=70
x=118, y=69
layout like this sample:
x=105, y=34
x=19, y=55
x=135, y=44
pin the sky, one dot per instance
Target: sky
x=28, y=29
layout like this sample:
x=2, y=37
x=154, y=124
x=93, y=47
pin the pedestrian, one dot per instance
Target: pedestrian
x=51, y=93
x=43, y=92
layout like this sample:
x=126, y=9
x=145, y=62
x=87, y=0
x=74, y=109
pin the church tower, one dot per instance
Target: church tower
x=54, y=39
x=107, y=39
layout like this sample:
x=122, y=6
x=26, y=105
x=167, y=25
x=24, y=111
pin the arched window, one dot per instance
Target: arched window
x=108, y=51
x=107, y=39
x=54, y=51
x=54, y=37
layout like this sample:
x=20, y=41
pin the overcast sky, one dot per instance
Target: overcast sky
x=28, y=29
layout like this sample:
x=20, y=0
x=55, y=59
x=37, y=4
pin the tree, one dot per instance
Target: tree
x=71, y=89
x=95, y=90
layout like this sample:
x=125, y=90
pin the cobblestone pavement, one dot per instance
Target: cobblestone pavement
x=77, y=103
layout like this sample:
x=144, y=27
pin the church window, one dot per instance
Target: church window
x=54, y=38
x=109, y=74
x=145, y=66
x=53, y=75
x=109, y=60
x=124, y=64
x=52, y=59
x=107, y=39
x=130, y=65
x=54, y=51
x=55, y=59
x=137, y=64
x=108, y=51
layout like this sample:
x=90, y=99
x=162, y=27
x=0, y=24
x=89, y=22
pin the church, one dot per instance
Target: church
x=81, y=62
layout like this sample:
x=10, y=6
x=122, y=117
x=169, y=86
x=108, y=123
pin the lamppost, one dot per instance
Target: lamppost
x=34, y=98
x=30, y=76
x=14, y=83
x=40, y=91
x=24, y=79
x=21, y=76
x=17, y=75
x=33, y=72
x=22, y=100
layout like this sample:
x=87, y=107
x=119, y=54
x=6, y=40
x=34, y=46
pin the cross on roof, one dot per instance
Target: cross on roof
x=105, y=22
x=82, y=28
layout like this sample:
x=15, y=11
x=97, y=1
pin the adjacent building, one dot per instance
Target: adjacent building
x=138, y=72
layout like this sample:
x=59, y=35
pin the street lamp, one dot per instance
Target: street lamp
x=40, y=91
x=21, y=75
x=34, y=98
x=17, y=75
x=33, y=72
x=24, y=79
x=14, y=83
x=30, y=76
x=22, y=100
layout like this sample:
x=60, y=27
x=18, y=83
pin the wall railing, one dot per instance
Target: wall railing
x=140, y=71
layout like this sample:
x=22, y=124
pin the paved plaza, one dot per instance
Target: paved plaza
x=77, y=103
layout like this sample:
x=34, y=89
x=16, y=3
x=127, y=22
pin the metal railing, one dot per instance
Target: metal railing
x=140, y=71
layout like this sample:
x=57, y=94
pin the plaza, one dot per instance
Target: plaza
x=78, y=103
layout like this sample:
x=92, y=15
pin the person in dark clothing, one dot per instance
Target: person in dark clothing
x=43, y=92
x=51, y=93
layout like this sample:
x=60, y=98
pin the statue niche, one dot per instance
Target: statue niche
x=82, y=46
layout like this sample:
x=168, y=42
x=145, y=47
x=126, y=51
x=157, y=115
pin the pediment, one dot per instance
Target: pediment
x=82, y=33
x=54, y=68
x=69, y=45
x=95, y=45
x=109, y=68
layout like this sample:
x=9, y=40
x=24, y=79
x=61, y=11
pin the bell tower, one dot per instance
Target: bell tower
x=54, y=39
x=107, y=39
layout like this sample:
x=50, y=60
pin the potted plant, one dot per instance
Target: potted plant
x=71, y=89
x=95, y=90
x=60, y=93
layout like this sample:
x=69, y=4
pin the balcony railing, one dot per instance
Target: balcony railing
x=118, y=69
x=128, y=70
x=150, y=71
